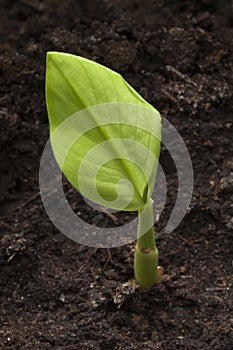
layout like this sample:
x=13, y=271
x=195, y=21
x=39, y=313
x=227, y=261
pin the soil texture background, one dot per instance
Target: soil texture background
x=58, y=294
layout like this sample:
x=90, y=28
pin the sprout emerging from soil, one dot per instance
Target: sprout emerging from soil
x=113, y=157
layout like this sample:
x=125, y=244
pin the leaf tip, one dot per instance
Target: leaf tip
x=52, y=56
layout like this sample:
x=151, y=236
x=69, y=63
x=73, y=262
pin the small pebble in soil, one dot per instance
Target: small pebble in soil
x=62, y=298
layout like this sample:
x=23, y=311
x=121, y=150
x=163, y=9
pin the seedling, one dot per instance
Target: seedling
x=102, y=112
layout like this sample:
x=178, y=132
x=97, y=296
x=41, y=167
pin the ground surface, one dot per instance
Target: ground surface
x=57, y=294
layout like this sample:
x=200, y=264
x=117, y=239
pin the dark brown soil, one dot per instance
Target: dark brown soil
x=57, y=294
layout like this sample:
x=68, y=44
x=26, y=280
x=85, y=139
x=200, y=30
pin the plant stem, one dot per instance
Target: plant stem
x=146, y=254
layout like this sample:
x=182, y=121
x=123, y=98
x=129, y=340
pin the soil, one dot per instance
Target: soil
x=58, y=294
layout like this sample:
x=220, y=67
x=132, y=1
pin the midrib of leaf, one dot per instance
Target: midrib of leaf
x=107, y=137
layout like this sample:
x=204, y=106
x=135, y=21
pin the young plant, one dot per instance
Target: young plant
x=113, y=158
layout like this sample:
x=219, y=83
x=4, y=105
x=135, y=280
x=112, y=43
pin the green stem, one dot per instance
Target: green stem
x=146, y=254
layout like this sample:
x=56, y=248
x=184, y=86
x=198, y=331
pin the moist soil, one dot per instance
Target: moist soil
x=58, y=294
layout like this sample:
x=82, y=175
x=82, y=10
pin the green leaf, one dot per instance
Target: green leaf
x=104, y=135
